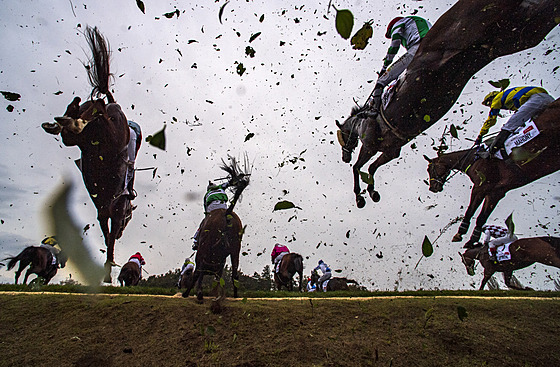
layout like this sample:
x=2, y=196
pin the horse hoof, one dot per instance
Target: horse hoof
x=457, y=238
x=51, y=128
x=375, y=196
x=360, y=202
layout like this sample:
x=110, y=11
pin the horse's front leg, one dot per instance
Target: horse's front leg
x=234, y=272
x=104, y=224
x=199, y=296
x=476, y=200
x=490, y=203
x=487, y=275
x=384, y=158
x=363, y=158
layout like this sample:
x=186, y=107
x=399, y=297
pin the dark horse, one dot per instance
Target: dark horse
x=452, y=51
x=220, y=236
x=333, y=284
x=524, y=252
x=493, y=178
x=290, y=264
x=186, y=279
x=40, y=261
x=101, y=132
x=130, y=274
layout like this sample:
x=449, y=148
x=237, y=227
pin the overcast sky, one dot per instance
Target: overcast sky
x=181, y=73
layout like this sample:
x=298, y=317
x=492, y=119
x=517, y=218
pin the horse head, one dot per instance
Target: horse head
x=348, y=135
x=468, y=258
x=438, y=174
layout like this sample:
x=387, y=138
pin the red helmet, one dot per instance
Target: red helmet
x=390, y=26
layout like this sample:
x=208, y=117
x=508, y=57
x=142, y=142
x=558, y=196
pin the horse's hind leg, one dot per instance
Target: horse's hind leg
x=199, y=295
x=508, y=280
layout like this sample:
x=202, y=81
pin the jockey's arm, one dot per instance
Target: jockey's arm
x=490, y=121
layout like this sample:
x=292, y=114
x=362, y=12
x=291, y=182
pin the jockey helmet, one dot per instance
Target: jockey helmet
x=489, y=98
x=51, y=240
x=321, y=262
x=390, y=26
x=138, y=254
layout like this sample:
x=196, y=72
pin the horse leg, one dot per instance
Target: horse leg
x=384, y=158
x=104, y=224
x=490, y=203
x=199, y=296
x=487, y=275
x=476, y=200
x=363, y=157
x=507, y=279
x=234, y=272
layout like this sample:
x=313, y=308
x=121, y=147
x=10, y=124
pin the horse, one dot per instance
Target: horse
x=130, y=274
x=524, y=252
x=449, y=55
x=220, y=236
x=493, y=178
x=333, y=284
x=290, y=264
x=40, y=260
x=101, y=132
x=186, y=280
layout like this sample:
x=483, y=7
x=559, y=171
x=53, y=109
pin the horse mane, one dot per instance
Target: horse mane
x=357, y=109
x=97, y=66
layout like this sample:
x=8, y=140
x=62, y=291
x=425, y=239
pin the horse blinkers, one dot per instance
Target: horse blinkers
x=340, y=138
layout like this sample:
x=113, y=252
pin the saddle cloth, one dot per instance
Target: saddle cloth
x=324, y=285
x=522, y=135
x=502, y=252
x=389, y=91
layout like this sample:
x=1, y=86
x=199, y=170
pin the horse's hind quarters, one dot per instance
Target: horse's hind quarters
x=51, y=127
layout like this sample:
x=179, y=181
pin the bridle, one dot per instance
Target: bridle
x=440, y=180
x=352, y=141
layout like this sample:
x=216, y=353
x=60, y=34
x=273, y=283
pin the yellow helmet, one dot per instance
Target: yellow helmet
x=489, y=98
x=51, y=240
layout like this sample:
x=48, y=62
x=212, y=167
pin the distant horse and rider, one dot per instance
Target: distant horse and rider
x=523, y=253
x=44, y=261
x=289, y=265
x=492, y=178
x=131, y=272
x=221, y=231
x=331, y=284
x=108, y=143
x=447, y=57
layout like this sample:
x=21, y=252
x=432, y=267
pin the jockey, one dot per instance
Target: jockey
x=311, y=287
x=133, y=147
x=215, y=198
x=277, y=254
x=138, y=259
x=187, y=265
x=326, y=273
x=49, y=243
x=526, y=101
x=408, y=32
x=501, y=236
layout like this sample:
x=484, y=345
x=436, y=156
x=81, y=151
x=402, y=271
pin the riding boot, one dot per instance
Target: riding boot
x=498, y=142
x=493, y=256
x=373, y=105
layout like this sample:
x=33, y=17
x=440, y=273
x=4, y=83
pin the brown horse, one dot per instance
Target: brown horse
x=452, y=51
x=493, y=178
x=524, y=252
x=101, y=132
x=186, y=280
x=40, y=260
x=130, y=274
x=333, y=284
x=220, y=237
x=290, y=264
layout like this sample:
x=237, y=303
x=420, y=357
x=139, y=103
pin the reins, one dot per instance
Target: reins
x=455, y=166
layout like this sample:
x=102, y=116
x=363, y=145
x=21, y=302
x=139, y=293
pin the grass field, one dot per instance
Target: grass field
x=460, y=328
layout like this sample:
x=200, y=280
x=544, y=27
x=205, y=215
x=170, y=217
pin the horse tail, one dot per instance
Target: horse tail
x=98, y=66
x=23, y=257
x=239, y=177
x=298, y=263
